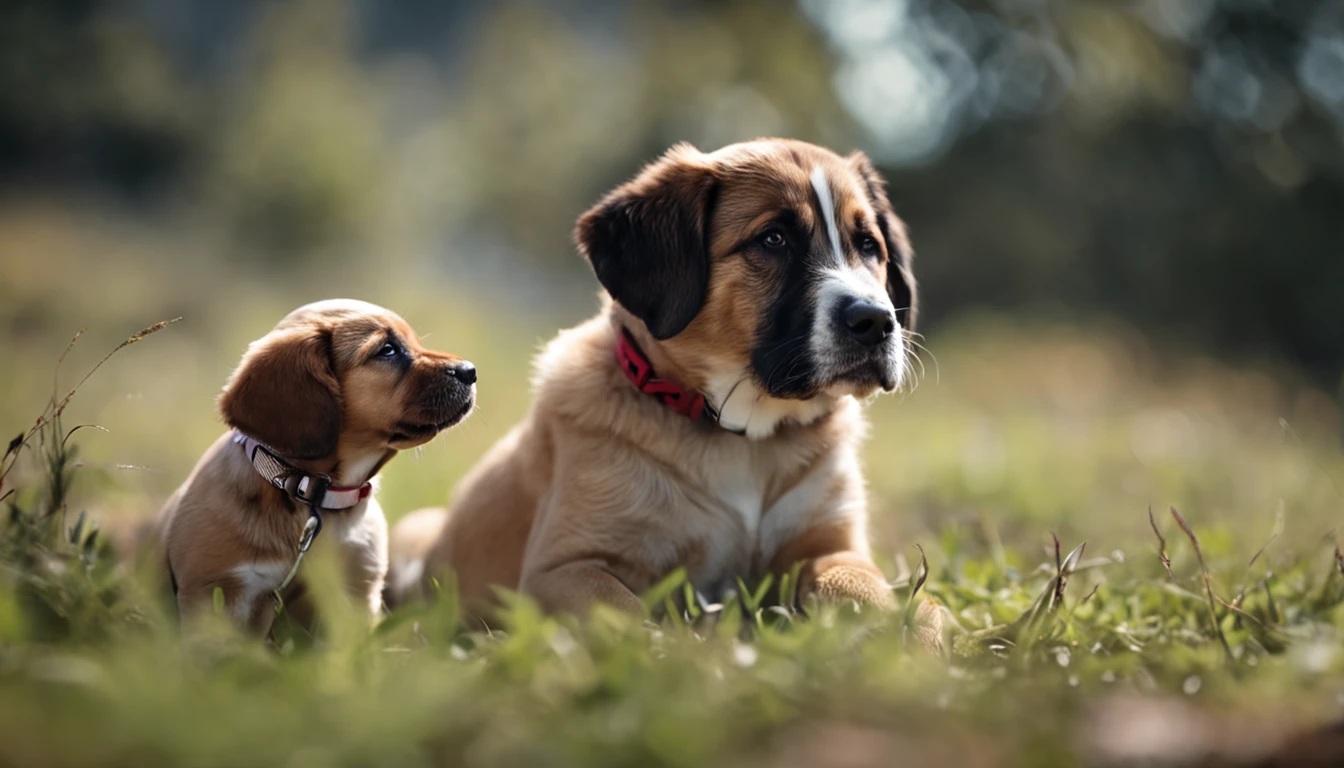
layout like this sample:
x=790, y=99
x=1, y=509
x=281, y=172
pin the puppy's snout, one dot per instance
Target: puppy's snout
x=464, y=372
x=867, y=323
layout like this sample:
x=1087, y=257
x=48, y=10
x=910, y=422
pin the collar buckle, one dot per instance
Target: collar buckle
x=309, y=489
x=314, y=490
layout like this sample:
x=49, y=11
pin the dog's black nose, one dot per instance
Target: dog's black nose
x=464, y=372
x=867, y=323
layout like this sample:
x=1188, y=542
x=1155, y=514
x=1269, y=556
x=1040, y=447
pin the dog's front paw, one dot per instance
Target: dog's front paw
x=841, y=583
x=846, y=577
x=849, y=578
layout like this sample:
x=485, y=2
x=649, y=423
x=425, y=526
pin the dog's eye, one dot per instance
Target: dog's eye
x=773, y=239
x=868, y=246
x=389, y=350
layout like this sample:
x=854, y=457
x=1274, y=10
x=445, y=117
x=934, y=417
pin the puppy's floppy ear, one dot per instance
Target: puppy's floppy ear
x=900, y=265
x=286, y=395
x=647, y=241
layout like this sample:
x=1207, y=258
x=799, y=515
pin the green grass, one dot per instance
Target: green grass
x=1018, y=434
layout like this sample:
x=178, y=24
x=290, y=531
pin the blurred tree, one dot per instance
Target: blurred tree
x=1172, y=161
x=1177, y=162
x=295, y=164
x=85, y=97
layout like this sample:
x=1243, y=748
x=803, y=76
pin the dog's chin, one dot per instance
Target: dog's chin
x=414, y=433
x=863, y=379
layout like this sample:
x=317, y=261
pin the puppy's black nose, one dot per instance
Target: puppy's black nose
x=867, y=323
x=465, y=372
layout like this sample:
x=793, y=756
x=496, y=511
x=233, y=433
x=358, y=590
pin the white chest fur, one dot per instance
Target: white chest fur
x=741, y=531
x=356, y=535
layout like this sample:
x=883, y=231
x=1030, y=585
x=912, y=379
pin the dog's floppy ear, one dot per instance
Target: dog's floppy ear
x=900, y=265
x=286, y=395
x=647, y=240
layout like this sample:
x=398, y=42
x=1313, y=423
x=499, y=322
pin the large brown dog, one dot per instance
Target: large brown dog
x=317, y=407
x=708, y=417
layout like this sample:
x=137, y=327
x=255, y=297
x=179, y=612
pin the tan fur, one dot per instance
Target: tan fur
x=312, y=389
x=601, y=491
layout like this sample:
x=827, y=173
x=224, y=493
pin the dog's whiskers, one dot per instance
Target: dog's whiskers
x=921, y=374
x=937, y=369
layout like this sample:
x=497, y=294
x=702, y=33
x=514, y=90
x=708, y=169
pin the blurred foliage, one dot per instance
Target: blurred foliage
x=1175, y=162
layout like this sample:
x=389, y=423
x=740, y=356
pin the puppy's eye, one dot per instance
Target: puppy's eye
x=774, y=239
x=868, y=246
x=389, y=350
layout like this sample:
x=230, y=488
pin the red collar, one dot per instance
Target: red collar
x=639, y=371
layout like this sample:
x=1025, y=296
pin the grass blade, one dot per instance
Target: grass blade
x=1208, y=582
x=1161, y=545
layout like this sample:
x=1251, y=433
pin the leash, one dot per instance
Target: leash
x=315, y=491
x=310, y=530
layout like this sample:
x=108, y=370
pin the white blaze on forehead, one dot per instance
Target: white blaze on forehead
x=823, y=187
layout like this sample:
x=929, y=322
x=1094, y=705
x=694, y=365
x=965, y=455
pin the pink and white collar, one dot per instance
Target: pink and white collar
x=313, y=490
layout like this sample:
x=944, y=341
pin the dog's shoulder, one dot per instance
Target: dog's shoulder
x=577, y=359
x=212, y=509
x=576, y=383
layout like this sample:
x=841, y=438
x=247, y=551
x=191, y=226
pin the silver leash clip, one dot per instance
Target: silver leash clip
x=310, y=530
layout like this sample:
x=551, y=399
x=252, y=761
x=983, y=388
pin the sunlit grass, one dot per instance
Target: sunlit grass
x=1024, y=431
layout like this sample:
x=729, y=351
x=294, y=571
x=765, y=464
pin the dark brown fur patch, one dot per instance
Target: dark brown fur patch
x=646, y=242
x=286, y=394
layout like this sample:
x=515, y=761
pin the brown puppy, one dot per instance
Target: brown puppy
x=317, y=407
x=708, y=417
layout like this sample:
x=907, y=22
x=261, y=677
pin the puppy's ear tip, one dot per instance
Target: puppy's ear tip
x=586, y=228
x=224, y=406
x=861, y=161
x=682, y=150
x=228, y=409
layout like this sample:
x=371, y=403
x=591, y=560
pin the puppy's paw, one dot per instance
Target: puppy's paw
x=848, y=578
